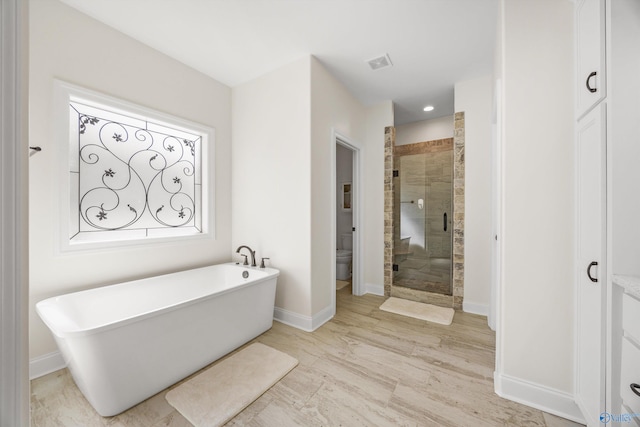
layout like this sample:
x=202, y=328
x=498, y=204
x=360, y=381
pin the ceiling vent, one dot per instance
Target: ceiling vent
x=380, y=62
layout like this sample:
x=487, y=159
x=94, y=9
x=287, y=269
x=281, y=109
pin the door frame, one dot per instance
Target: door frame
x=338, y=138
x=497, y=190
x=14, y=352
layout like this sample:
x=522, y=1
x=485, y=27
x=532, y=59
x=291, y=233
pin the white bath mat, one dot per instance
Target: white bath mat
x=418, y=310
x=218, y=394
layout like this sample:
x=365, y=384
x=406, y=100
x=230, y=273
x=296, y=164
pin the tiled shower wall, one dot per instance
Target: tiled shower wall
x=389, y=142
x=458, y=210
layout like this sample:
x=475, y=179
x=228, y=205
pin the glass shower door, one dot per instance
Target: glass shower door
x=423, y=238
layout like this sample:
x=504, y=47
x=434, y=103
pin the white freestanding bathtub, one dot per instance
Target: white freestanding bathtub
x=124, y=343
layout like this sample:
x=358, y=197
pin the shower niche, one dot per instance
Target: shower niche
x=424, y=218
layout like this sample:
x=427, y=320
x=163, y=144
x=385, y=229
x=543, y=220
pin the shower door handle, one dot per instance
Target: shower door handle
x=444, y=221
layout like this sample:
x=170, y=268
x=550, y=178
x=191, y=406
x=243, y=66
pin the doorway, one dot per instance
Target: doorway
x=346, y=216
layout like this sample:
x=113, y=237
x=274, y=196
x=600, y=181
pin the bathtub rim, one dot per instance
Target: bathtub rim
x=66, y=333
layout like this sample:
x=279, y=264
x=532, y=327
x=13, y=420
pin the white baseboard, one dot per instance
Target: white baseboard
x=375, y=289
x=43, y=365
x=322, y=317
x=306, y=323
x=538, y=396
x=475, y=308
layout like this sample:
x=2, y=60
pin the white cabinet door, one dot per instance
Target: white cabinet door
x=590, y=54
x=591, y=278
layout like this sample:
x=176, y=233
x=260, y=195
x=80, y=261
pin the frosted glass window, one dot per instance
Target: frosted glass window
x=133, y=176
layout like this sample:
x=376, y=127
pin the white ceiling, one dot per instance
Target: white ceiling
x=432, y=43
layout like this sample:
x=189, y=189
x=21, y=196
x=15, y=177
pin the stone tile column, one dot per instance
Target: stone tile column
x=389, y=142
x=458, y=210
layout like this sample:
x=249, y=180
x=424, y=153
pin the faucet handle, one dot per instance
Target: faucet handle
x=262, y=263
x=245, y=259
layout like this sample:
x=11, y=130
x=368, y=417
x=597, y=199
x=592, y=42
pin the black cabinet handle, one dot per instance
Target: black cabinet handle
x=591, y=89
x=444, y=218
x=635, y=388
x=593, y=264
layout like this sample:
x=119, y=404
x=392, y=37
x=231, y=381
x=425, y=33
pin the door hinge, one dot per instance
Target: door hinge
x=396, y=173
x=396, y=267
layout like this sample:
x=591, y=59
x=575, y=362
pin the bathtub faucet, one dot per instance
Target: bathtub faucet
x=253, y=255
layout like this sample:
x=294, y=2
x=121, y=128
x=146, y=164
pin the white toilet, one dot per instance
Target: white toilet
x=343, y=257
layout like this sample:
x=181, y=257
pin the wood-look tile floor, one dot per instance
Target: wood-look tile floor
x=365, y=367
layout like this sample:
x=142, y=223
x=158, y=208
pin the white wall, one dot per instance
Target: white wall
x=536, y=320
x=425, y=130
x=288, y=117
x=271, y=185
x=474, y=98
x=70, y=46
x=378, y=117
x=624, y=113
x=332, y=108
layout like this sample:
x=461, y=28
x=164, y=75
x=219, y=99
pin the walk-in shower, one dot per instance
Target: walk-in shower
x=424, y=218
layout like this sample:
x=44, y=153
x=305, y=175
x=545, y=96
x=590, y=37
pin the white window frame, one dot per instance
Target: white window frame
x=66, y=93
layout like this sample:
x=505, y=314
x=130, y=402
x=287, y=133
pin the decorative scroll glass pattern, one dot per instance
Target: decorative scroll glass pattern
x=132, y=177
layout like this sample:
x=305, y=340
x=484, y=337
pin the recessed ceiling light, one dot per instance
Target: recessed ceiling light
x=380, y=62
x=428, y=108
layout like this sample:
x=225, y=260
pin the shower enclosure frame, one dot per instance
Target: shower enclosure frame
x=390, y=212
